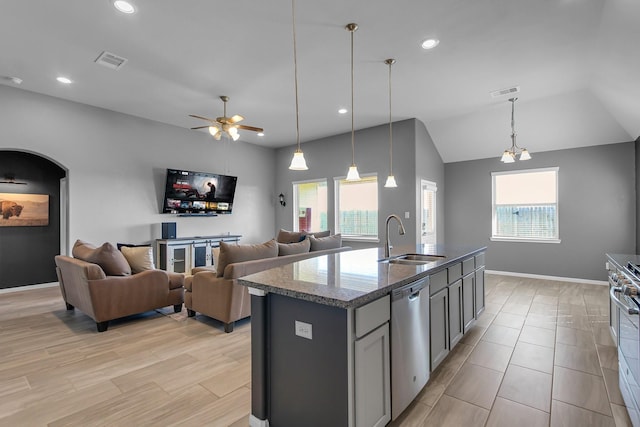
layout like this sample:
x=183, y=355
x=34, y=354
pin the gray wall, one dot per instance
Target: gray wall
x=117, y=164
x=331, y=157
x=429, y=166
x=597, y=211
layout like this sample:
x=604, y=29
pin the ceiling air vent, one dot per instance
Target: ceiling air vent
x=110, y=60
x=506, y=91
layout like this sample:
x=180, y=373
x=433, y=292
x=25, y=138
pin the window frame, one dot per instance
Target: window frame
x=294, y=207
x=336, y=194
x=494, y=220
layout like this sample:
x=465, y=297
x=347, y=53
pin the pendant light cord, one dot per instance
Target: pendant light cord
x=353, y=149
x=295, y=73
x=390, y=62
x=513, y=124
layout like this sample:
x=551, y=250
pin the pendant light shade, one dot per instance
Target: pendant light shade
x=391, y=180
x=298, y=162
x=509, y=155
x=353, y=174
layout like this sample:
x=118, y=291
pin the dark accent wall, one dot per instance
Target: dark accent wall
x=27, y=253
x=637, y=171
x=597, y=211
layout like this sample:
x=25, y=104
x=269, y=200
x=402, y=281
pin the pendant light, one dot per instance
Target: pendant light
x=297, y=162
x=391, y=180
x=509, y=155
x=353, y=174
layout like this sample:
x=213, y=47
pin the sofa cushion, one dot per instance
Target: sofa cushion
x=232, y=253
x=106, y=256
x=294, y=248
x=322, y=243
x=285, y=236
x=140, y=258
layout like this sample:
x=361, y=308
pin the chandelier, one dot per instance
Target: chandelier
x=509, y=155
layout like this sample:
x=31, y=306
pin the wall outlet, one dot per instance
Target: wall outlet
x=407, y=215
x=304, y=330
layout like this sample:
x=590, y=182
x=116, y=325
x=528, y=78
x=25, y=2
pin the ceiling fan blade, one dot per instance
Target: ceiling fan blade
x=235, y=119
x=203, y=118
x=245, y=127
x=201, y=127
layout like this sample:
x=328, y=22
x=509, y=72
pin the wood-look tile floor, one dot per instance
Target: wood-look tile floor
x=540, y=355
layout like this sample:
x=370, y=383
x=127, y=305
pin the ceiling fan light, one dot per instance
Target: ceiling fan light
x=298, y=163
x=507, y=157
x=124, y=6
x=353, y=174
x=213, y=130
x=217, y=136
x=391, y=182
x=524, y=155
x=235, y=136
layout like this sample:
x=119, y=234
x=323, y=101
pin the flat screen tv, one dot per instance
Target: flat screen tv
x=198, y=193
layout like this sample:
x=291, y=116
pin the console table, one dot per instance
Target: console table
x=182, y=254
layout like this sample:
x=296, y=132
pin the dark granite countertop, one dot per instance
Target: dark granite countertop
x=353, y=278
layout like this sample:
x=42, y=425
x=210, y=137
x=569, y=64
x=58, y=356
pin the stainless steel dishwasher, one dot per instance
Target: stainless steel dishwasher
x=409, y=343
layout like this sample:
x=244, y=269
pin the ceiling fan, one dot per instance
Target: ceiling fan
x=225, y=124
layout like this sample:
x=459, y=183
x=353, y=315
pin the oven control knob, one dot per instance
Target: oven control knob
x=630, y=291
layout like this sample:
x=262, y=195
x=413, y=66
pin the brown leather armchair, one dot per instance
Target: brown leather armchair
x=86, y=286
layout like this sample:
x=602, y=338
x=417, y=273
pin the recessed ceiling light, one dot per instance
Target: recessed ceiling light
x=430, y=43
x=124, y=6
x=343, y=111
x=64, y=80
x=260, y=133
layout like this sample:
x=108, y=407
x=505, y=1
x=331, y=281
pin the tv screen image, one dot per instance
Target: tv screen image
x=188, y=192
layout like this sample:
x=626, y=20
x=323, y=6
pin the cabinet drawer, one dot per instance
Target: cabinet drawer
x=454, y=272
x=372, y=315
x=437, y=281
x=480, y=260
x=468, y=265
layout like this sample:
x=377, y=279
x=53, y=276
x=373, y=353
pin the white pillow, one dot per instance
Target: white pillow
x=140, y=258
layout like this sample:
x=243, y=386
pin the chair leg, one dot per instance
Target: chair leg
x=177, y=308
x=228, y=327
x=102, y=326
x=190, y=313
x=69, y=306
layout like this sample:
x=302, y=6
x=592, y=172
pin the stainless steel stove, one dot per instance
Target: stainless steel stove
x=624, y=281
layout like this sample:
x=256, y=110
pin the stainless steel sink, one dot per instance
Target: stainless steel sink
x=413, y=259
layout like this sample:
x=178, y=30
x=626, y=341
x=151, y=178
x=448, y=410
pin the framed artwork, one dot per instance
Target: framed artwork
x=24, y=210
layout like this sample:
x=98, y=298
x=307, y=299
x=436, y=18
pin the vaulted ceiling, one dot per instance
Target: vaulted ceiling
x=576, y=62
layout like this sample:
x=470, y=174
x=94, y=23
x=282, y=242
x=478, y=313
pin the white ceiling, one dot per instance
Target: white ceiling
x=576, y=61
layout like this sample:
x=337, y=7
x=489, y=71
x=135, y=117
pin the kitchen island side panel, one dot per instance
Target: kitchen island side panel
x=308, y=378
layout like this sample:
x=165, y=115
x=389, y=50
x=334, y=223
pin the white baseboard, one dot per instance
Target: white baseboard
x=28, y=287
x=256, y=422
x=556, y=278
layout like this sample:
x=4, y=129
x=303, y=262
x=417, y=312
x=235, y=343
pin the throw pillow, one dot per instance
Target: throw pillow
x=216, y=254
x=318, y=234
x=285, y=236
x=106, y=256
x=231, y=253
x=294, y=248
x=322, y=243
x=140, y=258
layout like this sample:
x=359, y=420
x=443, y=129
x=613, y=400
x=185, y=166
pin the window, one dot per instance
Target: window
x=429, y=190
x=525, y=205
x=357, y=208
x=310, y=205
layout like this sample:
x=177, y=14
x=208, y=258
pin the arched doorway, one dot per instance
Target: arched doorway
x=27, y=251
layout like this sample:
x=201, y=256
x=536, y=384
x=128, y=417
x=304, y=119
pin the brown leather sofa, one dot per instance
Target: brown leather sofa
x=221, y=298
x=86, y=286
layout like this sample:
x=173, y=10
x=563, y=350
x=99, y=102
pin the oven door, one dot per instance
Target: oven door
x=628, y=353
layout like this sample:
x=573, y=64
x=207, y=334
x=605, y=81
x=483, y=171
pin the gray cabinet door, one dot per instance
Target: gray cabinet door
x=456, y=326
x=468, y=303
x=479, y=290
x=372, y=379
x=439, y=321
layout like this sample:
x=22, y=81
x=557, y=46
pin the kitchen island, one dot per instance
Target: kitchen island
x=321, y=331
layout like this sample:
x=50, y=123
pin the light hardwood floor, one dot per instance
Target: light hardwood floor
x=540, y=355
